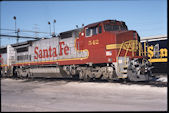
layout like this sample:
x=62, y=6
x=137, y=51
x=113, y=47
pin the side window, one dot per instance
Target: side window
x=23, y=57
x=100, y=29
x=91, y=31
x=94, y=31
x=116, y=28
x=88, y=32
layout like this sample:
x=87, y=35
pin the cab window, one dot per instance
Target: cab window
x=88, y=32
x=109, y=27
x=91, y=31
x=94, y=32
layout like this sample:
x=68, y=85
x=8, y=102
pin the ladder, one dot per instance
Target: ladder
x=132, y=46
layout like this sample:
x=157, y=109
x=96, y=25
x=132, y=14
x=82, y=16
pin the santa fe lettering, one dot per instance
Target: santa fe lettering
x=51, y=52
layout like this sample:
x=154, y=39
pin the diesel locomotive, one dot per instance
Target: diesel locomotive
x=155, y=48
x=103, y=50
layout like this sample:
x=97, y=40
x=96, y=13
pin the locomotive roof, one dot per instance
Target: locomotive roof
x=95, y=24
x=70, y=30
x=154, y=38
x=21, y=44
x=67, y=34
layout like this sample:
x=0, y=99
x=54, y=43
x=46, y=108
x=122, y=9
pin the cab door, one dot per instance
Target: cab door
x=93, y=43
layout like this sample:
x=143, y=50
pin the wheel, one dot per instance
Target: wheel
x=81, y=75
x=136, y=71
x=86, y=78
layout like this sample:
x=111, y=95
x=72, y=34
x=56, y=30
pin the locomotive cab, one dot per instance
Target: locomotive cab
x=115, y=26
x=100, y=27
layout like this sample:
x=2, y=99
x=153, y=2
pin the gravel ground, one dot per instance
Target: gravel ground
x=66, y=95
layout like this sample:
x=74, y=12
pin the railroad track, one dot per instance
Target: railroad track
x=152, y=82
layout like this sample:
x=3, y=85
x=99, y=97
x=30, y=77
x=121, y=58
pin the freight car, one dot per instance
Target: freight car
x=102, y=50
x=155, y=48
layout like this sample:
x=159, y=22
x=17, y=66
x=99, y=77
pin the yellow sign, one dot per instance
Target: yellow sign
x=162, y=54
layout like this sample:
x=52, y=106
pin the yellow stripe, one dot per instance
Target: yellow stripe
x=128, y=45
x=113, y=46
x=54, y=60
x=3, y=65
x=158, y=60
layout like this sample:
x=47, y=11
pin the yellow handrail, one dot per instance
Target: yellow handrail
x=133, y=46
x=120, y=49
x=118, y=56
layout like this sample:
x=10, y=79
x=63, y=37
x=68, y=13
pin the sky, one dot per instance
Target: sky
x=147, y=17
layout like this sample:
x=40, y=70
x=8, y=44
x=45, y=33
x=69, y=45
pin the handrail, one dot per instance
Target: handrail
x=126, y=53
x=132, y=46
x=118, y=56
x=120, y=49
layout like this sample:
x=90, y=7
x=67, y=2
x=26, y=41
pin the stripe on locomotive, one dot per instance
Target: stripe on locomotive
x=158, y=60
x=128, y=45
x=4, y=65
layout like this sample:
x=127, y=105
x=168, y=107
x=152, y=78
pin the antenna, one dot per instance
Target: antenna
x=54, y=21
x=36, y=28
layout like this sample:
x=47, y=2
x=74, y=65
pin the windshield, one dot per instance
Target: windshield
x=109, y=27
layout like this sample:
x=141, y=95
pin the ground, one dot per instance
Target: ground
x=67, y=95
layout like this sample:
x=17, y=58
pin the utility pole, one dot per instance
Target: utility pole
x=18, y=35
x=54, y=27
x=16, y=31
x=15, y=22
x=49, y=28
